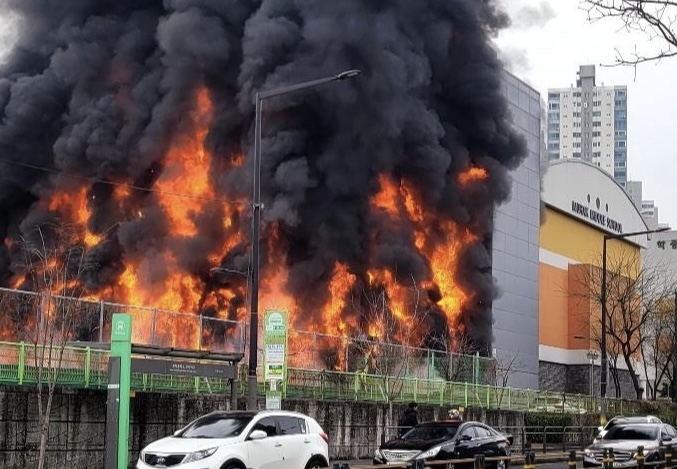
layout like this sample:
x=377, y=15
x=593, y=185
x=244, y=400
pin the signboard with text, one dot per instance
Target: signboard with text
x=274, y=345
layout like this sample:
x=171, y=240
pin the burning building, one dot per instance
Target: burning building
x=131, y=121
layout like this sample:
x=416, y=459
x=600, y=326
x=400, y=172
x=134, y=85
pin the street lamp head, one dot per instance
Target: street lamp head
x=348, y=74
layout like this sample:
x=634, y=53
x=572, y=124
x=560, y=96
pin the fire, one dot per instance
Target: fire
x=74, y=208
x=186, y=172
x=473, y=173
x=340, y=286
x=372, y=299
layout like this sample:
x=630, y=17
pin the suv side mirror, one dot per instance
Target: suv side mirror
x=176, y=433
x=666, y=437
x=599, y=429
x=258, y=435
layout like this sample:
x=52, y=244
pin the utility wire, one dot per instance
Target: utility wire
x=120, y=184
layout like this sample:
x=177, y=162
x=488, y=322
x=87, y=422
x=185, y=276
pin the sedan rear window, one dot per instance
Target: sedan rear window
x=216, y=426
x=430, y=432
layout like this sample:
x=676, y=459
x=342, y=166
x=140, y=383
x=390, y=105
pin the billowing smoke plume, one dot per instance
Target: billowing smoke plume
x=98, y=90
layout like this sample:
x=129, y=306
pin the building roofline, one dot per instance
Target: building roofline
x=607, y=175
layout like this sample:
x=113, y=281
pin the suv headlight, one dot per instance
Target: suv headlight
x=199, y=455
x=432, y=452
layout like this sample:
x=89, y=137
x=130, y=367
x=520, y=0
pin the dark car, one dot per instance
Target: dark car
x=441, y=441
x=624, y=438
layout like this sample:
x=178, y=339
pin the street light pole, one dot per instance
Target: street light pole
x=252, y=391
x=674, y=354
x=604, y=360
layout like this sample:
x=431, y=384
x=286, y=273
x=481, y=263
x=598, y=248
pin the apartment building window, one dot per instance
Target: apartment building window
x=577, y=154
x=553, y=146
x=597, y=154
x=577, y=115
x=553, y=96
x=596, y=123
x=620, y=144
x=620, y=94
x=577, y=94
x=596, y=113
x=596, y=144
x=596, y=134
x=619, y=133
x=553, y=135
x=577, y=125
x=577, y=144
x=577, y=135
x=553, y=106
x=597, y=103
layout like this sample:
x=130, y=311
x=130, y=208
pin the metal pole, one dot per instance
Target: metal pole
x=252, y=392
x=674, y=355
x=592, y=376
x=603, y=367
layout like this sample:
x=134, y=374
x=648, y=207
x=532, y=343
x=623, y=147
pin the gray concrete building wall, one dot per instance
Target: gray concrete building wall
x=516, y=246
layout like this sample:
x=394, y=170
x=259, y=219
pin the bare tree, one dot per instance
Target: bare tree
x=656, y=19
x=387, y=351
x=657, y=352
x=634, y=294
x=454, y=358
x=54, y=265
x=504, y=366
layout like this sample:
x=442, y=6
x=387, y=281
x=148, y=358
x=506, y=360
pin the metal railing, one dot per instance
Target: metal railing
x=22, y=312
x=84, y=367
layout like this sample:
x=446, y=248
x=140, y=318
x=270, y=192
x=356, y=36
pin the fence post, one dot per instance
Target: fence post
x=88, y=362
x=611, y=458
x=572, y=459
x=661, y=451
x=605, y=459
x=200, y=331
x=22, y=362
x=479, y=461
x=545, y=440
x=152, y=329
x=640, y=457
x=101, y=319
x=668, y=456
x=530, y=460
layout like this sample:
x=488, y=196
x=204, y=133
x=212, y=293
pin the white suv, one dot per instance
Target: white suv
x=242, y=440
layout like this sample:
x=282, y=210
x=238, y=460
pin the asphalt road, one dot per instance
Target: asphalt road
x=553, y=465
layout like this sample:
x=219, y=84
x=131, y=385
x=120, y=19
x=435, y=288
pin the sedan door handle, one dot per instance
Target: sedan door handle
x=277, y=445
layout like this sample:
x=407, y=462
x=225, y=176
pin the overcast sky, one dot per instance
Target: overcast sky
x=549, y=39
x=545, y=46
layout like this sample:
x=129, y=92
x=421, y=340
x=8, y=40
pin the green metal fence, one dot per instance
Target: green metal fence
x=87, y=368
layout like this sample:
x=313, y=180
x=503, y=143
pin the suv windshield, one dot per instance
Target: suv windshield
x=430, y=432
x=632, y=432
x=216, y=426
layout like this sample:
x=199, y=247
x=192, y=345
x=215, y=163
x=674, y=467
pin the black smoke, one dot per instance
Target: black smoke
x=95, y=88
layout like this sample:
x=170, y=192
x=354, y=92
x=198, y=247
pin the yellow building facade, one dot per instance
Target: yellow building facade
x=582, y=205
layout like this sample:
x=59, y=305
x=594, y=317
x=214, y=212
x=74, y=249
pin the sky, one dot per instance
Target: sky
x=545, y=45
x=548, y=41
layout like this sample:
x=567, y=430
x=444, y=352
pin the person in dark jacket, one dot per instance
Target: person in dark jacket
x=408, y=419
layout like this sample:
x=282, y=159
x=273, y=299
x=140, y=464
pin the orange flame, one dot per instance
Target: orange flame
x=473, y=173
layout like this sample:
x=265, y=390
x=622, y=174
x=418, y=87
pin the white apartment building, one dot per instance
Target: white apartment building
x=589, y=122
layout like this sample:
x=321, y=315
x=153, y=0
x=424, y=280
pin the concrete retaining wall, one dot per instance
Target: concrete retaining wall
x=77, y=432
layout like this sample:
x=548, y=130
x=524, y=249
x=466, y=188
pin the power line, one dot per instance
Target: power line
x=120, y=184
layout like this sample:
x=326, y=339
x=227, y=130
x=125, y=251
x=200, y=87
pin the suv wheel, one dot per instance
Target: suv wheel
x=316, y=463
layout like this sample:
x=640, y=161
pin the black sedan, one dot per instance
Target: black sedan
x=441, y=441
x=624, y=440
